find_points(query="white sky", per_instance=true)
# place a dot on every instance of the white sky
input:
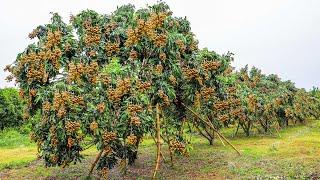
(277, 36)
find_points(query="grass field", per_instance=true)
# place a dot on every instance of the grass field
(292, 154)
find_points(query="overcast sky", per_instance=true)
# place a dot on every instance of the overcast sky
(277, 36)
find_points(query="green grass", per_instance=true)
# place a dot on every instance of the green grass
(293, 154)
(12, 138)
(16, 149)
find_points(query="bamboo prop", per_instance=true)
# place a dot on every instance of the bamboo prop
(158, 142)
(221, 141)
(171, 157)
(212, 127)
(95, 162)
(163, 157)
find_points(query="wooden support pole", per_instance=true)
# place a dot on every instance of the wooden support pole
(95, 162)
(208, 123)
(158, 142)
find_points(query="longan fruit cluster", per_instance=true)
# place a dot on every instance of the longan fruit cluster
(148, 29)
(46, 106)
(36, 73)
(67, 47)
(105, 79)
(93, 126)
(143, 86)
(123, 87)
(231, 90)
(267, 107)
(107, 150)
(33, 34)
(54, 141)
(176, 146)
(159, 69)
(244, 77)
(53, 129)
(93, 34)
(76, 71)
(112, 48)
(221, 105)
(101, 107)
(109, 136)
(73, 73)
(236, 112)
(235, 102)
(193, 46)
(160, 40)
(132, 139)
(54, 159)
(21, 93)
(164, 97)
(133, 55)
(132, 38)
(228, 70)
(289, 113)
(32, 93)
(72, 126)
(70, 142)
(223, 118)
(173, 80)
(61, 112)
(110, 27)
(135, 120)
(252, 103)
(207, 92)
(36, 65)
(242, 116)
(180, 45)
(78, 100)
(210, 65)
(133, 109)
(156, 20)
(32, 136)
(53, 39)
(59, 102)
(92, 53)
(53, 57)
(278, 101)
(162, 56)
(92, 70)
(190, 73)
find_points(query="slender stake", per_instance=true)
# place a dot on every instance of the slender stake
(221, 140)
(158, 142)
(212, 127)
(95, 162)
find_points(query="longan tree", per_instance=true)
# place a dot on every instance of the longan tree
(103, 80)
